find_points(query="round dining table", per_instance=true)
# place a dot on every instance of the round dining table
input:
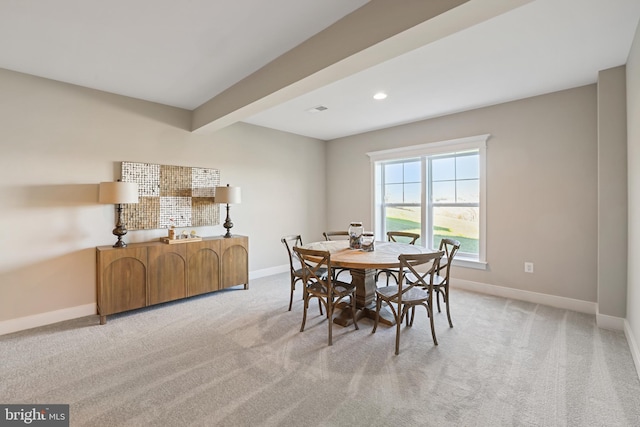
(362, 266)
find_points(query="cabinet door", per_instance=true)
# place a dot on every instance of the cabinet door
(234, 261)
(203, 273)
(167, 273)
(121, 279)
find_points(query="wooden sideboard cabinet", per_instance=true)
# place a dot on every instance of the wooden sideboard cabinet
(203, 267)
(234, 254)
(167, 272)
(145, 274)
(122, 279)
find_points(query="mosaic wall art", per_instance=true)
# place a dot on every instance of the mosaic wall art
(178, 195)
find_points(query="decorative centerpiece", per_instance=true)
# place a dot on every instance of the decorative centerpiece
(367, 242)
(355, 235)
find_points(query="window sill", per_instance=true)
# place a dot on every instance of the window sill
(470, 263)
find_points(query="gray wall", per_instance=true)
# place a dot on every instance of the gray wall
(59, 141)
(612, 192)
(633, 162)
(541, 187)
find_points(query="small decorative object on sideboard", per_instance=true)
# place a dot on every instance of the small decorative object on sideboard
(182, 237)
(172, 229)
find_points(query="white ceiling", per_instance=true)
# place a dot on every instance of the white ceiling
(185, 53)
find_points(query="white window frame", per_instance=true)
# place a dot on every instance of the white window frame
(478, 142)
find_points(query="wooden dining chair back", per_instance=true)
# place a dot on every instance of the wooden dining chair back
(337, 235)
(441, 279)
(398, 237)
(403, 237)
(295, 265)
(403, 298)
(324, 287)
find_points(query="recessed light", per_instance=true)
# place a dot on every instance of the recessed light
(380, 95)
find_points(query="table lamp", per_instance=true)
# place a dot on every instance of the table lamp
(117, 193)
(228, 195)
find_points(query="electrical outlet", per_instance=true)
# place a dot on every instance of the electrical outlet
(528, 267)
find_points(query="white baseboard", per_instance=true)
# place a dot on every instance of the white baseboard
(42, 319)
(534, 297)
(604, 321)
(609, 322)
(256, 274)
(633, 346)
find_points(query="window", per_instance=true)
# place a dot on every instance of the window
(436, 190)
(402, 195)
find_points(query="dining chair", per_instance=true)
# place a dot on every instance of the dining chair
(404, 296)
(329, 291)
(402, 237)
(450, 248)
(337, 235)
(295, 267)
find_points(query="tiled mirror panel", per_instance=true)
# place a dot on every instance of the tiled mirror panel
(179, 193)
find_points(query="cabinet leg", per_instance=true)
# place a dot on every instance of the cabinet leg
(246, 286)
(103, 320)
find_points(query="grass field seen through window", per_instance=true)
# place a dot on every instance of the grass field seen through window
(456, 223)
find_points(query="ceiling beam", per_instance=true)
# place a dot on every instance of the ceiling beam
(374, 33)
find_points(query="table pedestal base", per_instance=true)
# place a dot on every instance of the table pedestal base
(365, 281)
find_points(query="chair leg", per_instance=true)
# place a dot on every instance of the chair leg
(304, 313)
(438, 292)
(430, 314)
(352, 302)
(293, 288)
(409, 321)
(375, 324)
(446, 300)
(330, 315)
(398, 324)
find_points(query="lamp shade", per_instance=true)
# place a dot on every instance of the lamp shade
(229, 195)
(118, 192)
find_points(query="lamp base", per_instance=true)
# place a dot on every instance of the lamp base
(228, 224)
(120, 230)
(120, 243)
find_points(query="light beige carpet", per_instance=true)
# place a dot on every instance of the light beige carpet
(237, 358)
